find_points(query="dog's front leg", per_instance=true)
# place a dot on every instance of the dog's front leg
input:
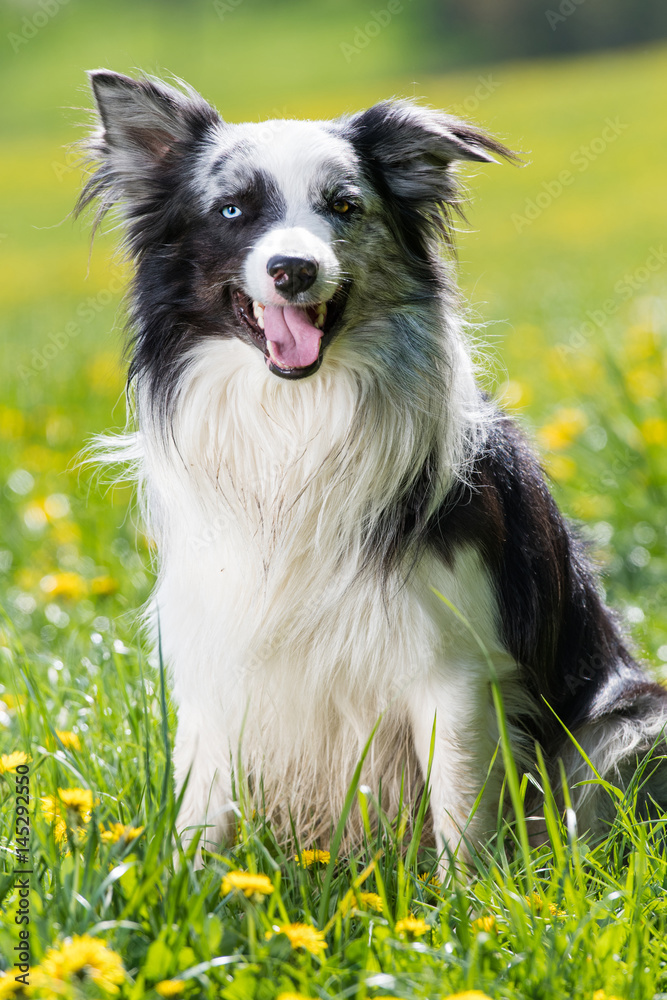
(202, 764)
(459, 707)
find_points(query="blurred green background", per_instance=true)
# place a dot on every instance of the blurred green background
(564, 264)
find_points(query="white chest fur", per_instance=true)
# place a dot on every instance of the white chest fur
(283, 649)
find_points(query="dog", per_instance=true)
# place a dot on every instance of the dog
(351, 534)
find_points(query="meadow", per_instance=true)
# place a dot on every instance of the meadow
(565, 270)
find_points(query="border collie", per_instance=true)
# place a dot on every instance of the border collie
(318, 464)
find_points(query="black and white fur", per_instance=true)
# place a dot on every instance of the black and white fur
(304, 523)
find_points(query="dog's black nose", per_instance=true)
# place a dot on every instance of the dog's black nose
(292, 275)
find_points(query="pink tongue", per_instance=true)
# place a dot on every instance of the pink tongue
(292, 339)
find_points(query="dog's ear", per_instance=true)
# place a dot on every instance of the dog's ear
(144, 129)
(147, 119)
(412, 148)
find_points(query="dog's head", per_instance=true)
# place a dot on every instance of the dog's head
(285, 234)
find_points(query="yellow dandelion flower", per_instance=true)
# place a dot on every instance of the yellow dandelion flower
(9, 988)
(84, 957)
(118, 831)
(513, 393)
(567, 424)
(643, 383)
(302, 936)
(292, 996)
(66, 532)
(71, 586)
(484, 924)
(540, 905)
(593, 506)
(252, 886)
(170, 988)
(371, 901)
(654, 430)
(69, 740)
(12, 423)
(432, 881)
(641, 343)
(308, 858)
(103, 586)
(78, 802)
(53, 814)
(412, 925)
(468, 995)
(562, 468)
(70, 808)
(10, 761)
(367, 900)
(601, 995)
(12, 701)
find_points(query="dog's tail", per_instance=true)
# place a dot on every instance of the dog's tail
(623, 744)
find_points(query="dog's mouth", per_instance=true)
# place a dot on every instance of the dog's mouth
(291, 338)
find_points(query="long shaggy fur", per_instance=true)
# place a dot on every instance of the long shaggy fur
(306, 518)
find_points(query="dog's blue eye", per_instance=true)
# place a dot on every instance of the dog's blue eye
(231, 212)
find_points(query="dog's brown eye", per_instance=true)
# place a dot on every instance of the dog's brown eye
(341, 206)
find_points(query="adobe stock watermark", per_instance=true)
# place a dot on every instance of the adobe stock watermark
(566, 8)
(74, 160)
(625, 288)
(58, 341)
(378, 20)
(265, 131)
(224, 7)
(31, 26)
(485, 87)
(581, 159)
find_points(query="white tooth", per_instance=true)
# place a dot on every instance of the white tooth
(322, 308)
(319, 322)
(260, 320)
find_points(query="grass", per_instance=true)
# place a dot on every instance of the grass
(565, 920)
